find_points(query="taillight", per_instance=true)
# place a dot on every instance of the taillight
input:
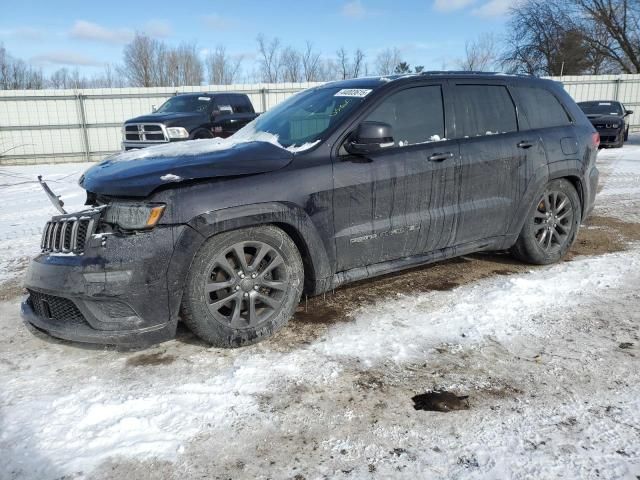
(595, 139)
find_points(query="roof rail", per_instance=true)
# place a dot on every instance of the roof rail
(469, 72)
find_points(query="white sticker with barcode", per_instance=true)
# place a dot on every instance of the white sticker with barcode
(205, 99)
(353, 92)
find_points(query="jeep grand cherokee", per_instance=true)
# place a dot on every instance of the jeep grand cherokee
(336, 184)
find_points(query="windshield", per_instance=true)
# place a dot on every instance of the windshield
(305, 117)
(601, 108)
(186, 104)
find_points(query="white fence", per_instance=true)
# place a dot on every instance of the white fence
(48, 126)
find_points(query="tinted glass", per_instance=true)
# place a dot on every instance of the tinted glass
(542, 108)
(305, 117)
(601, 108)
(416, 115)
(186, 103)
(241, 104)
(484, 110)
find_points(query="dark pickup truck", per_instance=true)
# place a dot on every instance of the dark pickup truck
(189, 117)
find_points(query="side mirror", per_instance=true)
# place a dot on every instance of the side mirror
(154, 108)
(370, 137)
(628, 112)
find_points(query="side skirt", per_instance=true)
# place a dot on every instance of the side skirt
(383, 268)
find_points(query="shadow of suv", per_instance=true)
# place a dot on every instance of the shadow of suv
(339, 183)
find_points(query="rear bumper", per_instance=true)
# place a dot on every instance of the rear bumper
(115, 293)
(590, 191)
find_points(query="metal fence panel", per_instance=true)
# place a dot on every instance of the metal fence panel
(49, 126)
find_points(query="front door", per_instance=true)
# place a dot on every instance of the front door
(401, 200)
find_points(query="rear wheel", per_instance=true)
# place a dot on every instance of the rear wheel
(243, 286)
(551, 225)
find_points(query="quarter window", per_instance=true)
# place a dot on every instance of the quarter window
(542, 108)
(416, 115)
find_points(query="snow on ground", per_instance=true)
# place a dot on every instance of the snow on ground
(25, 209)
(543, 356)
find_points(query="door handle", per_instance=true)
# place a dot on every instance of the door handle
(525, 144)
(439, 157)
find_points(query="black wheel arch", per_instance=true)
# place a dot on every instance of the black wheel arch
(200, 130)
(572, 171)
(290, 218)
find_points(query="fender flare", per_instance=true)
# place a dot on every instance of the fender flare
(544, 174)
(291, 218)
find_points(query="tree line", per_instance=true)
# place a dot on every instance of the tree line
(563, 37)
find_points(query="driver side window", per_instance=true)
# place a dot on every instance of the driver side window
(416, 115)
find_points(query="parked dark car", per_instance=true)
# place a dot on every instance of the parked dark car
(610, 118)
(188, 117)
(339, 183)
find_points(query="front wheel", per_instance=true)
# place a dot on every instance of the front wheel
(551, 225)
(243, 286)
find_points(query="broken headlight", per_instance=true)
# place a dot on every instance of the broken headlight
(134, 216)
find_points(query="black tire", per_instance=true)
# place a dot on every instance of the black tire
(561, 225)
(260, 301)
(200, 134)
(626, 135)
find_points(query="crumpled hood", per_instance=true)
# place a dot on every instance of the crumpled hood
(137, 173)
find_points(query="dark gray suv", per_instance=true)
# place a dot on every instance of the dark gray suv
(338, 183)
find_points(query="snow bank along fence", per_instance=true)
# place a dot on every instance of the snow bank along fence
(50, 126)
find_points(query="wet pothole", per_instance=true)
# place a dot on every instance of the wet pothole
(440, 401)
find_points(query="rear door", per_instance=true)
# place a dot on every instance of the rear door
(401, 200)
(495, 159)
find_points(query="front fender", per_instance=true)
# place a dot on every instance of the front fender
(289, 217)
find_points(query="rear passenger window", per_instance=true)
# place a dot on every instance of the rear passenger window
(484, 110)
(240, 104)
(415, 114)
(541, 107)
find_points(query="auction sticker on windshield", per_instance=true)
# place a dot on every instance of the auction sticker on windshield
(353, 92)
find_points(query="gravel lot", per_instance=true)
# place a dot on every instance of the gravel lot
(548, 357)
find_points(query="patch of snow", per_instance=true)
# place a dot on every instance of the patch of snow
(170, 177)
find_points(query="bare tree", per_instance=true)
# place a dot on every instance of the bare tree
(387, 61)
(480, 54)
(358, 63)
(544, 40)
(140, 58)
(270, 63)
(310, 63)
(612, 30)
(343, 62)
(291, 61)
(222, 68)
(15, 74)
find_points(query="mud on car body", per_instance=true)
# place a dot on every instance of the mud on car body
(338, 183)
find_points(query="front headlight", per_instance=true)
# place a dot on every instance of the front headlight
(177, 132)
(615, 125)
(134, 216)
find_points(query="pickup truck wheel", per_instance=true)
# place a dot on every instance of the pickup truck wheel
(243, 286)
(551, 225)
(202, 134)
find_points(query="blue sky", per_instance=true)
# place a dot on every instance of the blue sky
(87, 34)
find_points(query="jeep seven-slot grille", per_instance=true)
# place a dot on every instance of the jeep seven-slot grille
(144, 132)
(66, 235)
(54, 308)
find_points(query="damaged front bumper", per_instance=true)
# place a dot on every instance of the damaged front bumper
(115, 292)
